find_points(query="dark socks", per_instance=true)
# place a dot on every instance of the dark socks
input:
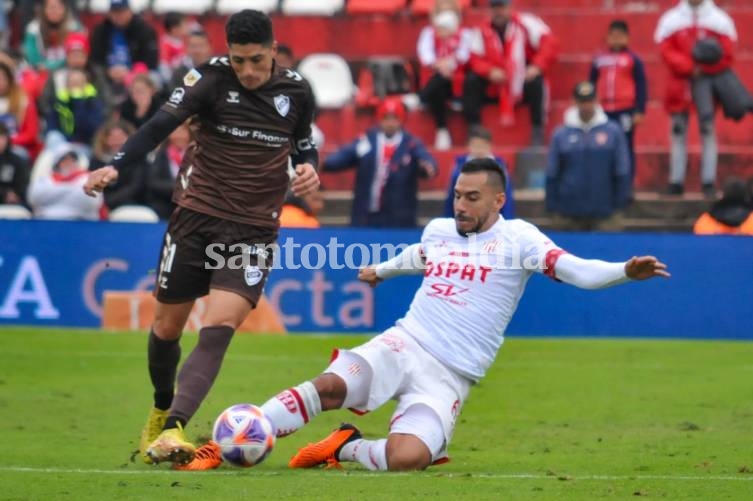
(199, 372)
(163, 359)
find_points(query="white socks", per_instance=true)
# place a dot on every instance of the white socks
(370, 453)
(293, 408)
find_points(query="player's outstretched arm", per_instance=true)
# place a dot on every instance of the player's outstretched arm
(597, 274)
(409, 262)
(151, 134)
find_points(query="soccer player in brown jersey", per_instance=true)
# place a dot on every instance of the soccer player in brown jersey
(249, 118)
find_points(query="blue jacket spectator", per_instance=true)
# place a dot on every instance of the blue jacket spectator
(388, 161)
(588, 171)
(479, 146)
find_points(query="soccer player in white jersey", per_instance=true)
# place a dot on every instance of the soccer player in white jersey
(475, 269)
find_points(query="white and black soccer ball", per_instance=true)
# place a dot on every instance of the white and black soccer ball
(244, 434)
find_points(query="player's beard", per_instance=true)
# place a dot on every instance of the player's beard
(479, 223)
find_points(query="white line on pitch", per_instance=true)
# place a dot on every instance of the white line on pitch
(501, 476)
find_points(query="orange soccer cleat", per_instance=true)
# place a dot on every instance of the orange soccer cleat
(207, 457)
(325, 451)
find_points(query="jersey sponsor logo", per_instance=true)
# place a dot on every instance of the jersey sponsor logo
(233, 97)
(469, 272)
(282, 103)
(253, 275)
(177, 96)
(449, 293)
(191, 78)
(394, 343)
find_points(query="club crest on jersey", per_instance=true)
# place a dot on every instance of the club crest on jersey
(282, 103)
(233, 97)
(253, 275)
(191, 78)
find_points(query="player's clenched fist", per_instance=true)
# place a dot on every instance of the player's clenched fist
(369, 276)
(306, 180)
(99, 180)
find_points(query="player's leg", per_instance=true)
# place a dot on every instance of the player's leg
(163, 354)
(416, 439)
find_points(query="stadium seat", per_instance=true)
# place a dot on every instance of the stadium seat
(134, 214)
(330, 78)
(190, 7)
(8, 211)
(423, 7)
(226, 7)
(102, 6)
(312, 8)
(375, 6)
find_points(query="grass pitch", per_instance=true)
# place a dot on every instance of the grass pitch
(554, 419)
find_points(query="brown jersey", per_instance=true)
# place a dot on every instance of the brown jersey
(237, 166)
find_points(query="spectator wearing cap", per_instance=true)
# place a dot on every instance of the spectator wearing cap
(389, 162)
(443, 51)
(44, 37)
(121, 41)
(730, 215)
(588, 171)
(510, 57)
(60, 194)
(76, 58)
(14, 172)
(683, 30)
(620, 79)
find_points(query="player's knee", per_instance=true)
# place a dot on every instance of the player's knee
(332, 391)
(407, 453)
(167, 328)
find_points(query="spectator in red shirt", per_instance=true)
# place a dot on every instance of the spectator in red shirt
(172, 44)
(510, 57)
(443, 51)
(678, 32)
(18, 111)
(620, 80)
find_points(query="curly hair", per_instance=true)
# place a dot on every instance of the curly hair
(249, 26)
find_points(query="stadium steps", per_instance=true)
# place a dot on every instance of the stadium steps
(649, 212)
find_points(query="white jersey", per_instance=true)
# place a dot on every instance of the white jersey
(471, 288)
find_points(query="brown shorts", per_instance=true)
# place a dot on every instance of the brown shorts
(196, 256)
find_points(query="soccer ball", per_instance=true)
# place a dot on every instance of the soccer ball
(244, 434)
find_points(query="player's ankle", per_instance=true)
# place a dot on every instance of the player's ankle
(174, 422)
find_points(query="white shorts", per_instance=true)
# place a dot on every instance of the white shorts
(393, 366)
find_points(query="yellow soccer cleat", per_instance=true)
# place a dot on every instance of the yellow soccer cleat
(171, 445)
(153, 427)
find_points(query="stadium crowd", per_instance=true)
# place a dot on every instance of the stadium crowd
(70, 96)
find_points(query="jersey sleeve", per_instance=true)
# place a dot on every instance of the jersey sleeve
(195, 94)
(304, 147)
(538, 252)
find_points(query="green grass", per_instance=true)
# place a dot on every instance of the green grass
(554, 419)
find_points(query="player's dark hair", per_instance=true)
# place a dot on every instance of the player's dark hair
(249, 26)
(495, 173)
(479, 132)
(172, 19)
(285, 50)
(619, 25)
